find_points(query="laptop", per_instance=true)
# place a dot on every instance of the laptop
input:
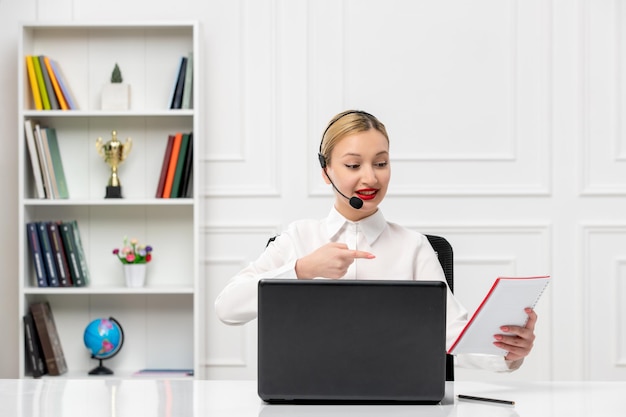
(349, 341)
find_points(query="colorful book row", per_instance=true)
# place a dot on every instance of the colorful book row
(45, 160)
(182, 97)
(48, 86)
(177, 167)
(57, 254)
(44, 353)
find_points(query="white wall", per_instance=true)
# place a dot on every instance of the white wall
(506, 121)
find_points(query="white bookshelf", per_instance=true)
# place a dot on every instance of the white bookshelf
(160, 320)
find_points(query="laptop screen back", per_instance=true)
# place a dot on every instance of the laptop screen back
(351, 341)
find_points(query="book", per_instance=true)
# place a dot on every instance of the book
(55, 84)
(49, 338)
(43, 161)
(171, 169)
(188, 85)
(503, 305)
(48, 255)
(34, 158)
(187, 170)
(189, 186)
(41, 276)
(42, 137)
(48, 156)
(34, 86)
(180, 163)
(36, 364)
(65, 279)
(64, 86)
(164, 166)
(164, 372)
(41, 83)
(177, 99)
(71, 251)
(173, 93)
(54, 103)
(82, 258)
(57, 163)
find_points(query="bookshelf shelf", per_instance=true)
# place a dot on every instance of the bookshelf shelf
(117, 290)
(49, 114)
(164, 202)
(160, 318)
(160, 25)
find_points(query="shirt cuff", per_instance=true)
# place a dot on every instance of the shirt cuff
(488, 362)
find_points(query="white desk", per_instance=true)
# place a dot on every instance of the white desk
(51, 397)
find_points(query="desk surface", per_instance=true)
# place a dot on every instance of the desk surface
(52, 397)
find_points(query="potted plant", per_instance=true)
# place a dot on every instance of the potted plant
(134, 257)
(116, 94)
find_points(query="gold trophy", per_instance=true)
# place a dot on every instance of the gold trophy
(114, 153)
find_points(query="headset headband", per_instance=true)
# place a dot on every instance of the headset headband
(332, 122)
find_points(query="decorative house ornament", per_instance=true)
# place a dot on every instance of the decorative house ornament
(116, 94)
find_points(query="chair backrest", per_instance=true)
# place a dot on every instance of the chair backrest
(446, 259)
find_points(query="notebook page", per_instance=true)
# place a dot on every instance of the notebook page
(504, 304)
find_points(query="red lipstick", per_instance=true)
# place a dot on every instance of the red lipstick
(367, 193)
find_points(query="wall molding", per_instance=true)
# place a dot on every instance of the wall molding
(518, 160)
(614, 264)
(602, 114)
(258, 112)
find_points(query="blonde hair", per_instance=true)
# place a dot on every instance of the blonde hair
(344, 124)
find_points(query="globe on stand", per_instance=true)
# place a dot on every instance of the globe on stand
(104, 339)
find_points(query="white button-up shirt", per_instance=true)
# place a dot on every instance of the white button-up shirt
(401, 254)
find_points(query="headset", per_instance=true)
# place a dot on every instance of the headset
(354, 201)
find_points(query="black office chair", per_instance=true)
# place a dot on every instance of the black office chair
(445, 255)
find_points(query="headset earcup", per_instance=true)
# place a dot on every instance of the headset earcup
(322, 160)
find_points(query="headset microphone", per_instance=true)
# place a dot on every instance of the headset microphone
(355, 202)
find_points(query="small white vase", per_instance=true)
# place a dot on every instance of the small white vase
(135, 275)
(116, 96)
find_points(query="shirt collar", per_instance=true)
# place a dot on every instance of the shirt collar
(371, 226)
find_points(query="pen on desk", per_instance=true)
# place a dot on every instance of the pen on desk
(489, 400)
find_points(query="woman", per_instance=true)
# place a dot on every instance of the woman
(356, 242)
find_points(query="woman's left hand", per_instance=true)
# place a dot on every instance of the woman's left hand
(519, 340)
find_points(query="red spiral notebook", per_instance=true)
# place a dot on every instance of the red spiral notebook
(504, 304)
